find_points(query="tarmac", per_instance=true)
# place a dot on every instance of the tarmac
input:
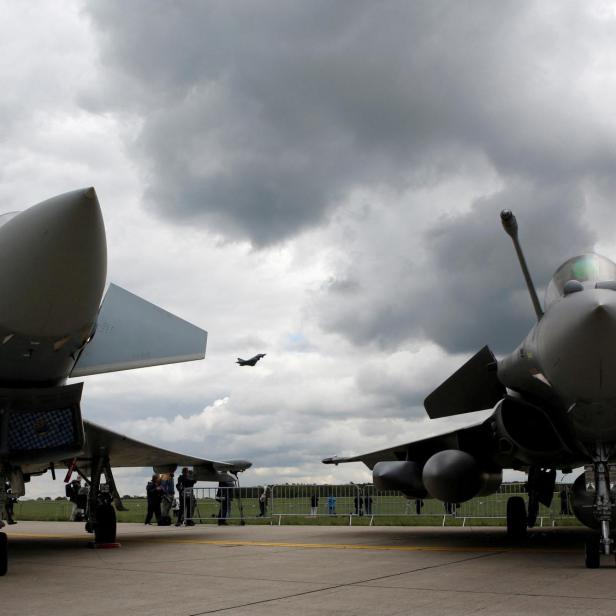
(311, 570)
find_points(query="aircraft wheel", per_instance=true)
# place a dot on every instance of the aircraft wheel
(593, 554)
(516, 518)
(105, 529)
(533, 511)
(4, 559)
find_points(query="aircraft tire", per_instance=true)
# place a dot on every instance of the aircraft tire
(105, 529)
(4, 559)
(516, 518)
(593, 554)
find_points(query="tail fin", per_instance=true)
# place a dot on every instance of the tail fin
(133, 333)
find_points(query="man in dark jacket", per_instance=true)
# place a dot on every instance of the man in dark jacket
(154, 492)
(8, 503)
(185, 480)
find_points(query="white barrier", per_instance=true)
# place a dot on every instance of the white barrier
(357, 501)
(220, 504)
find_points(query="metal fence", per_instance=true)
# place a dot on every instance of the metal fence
(355, 502)
(346, 504)
(224, 503)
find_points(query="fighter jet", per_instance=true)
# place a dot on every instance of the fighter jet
(250, 362)
(52, 327)
(553, 407)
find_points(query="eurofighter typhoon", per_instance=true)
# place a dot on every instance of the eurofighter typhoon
(52, 327)
(554, 408)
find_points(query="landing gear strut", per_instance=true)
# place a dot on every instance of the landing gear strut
(602, 508)
(100, 513)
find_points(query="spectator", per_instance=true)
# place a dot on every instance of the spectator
(565, 508)
(418, 505)
(224, 496)
(167, 500)
(314, 504)
(154, 493)
(8, 503)
(331, 505)
(263, 502)
(78, 495)
(368, 504)
(185, 480)
(358, 502)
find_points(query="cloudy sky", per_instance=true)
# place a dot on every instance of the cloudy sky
(320, 182)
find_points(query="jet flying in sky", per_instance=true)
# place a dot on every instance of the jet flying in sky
(250, 362)
(52, 327)
(554, 408)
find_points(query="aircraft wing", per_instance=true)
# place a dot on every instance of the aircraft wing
(474, 436)
(124, 451)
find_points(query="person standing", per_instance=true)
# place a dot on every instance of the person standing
(74, 491)
(8, 503)
(224, 495)
(358, 502)
(368, 504)
(314, 504)
(185, 480)
(154, 493)
(565, 508)
(331, 504)
(166, 503)
(263, 502)
(418, 505)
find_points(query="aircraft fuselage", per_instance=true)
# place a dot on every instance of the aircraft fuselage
(52, 287)
(568, 360)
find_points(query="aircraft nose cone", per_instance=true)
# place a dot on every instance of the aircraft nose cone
(54, 265)
(577, 345)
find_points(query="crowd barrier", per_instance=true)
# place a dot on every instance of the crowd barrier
(346, 503)
(282, 502)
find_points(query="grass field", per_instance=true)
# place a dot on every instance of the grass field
(388, 510)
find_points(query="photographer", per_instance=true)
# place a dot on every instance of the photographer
(78, 495)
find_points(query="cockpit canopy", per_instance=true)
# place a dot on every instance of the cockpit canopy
(588, 269)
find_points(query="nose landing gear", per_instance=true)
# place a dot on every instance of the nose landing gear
(602, 507)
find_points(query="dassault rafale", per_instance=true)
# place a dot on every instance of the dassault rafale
(554, 408)
(53, 326)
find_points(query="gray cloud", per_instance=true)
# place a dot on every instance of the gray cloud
(462, 287)
(259, 118)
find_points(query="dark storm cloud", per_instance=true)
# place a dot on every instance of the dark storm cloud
(466, 289)
(260, 117)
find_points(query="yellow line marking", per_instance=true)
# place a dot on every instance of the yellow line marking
(321, 546)
(355, 546)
